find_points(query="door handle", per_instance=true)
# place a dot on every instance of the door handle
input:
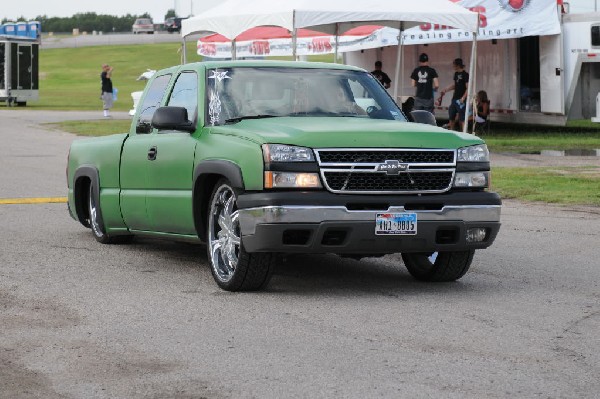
(152, 153)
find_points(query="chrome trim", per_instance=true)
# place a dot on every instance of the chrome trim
(371, 167)
(318, 155)
(251, 217)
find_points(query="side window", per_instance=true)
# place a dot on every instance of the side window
(154, 95)
(185, 94)
(596, 36)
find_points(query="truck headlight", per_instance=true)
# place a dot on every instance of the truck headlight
(292, 180)
(286, 153)
(472, 179)
(474, 153)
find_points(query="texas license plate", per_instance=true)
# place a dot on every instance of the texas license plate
(396, 223)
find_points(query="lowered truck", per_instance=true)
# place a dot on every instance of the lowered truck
(259, 158)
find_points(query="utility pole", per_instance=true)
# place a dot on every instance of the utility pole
(191, 8)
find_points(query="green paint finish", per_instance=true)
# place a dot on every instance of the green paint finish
(323, 132)
(155, 195)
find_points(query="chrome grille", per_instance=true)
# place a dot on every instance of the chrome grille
(371, 156)
(363, 171)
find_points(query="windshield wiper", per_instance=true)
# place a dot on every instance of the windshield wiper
(241, 118)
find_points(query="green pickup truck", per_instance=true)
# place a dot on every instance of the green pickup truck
(258, 159)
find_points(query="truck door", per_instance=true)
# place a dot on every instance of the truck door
(551, 74)
(170, 175)
(136, 157)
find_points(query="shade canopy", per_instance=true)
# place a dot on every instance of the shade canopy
(234, 17)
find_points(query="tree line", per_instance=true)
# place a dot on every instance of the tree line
(88, 22)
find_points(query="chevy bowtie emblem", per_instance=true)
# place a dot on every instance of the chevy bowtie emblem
(392, 167)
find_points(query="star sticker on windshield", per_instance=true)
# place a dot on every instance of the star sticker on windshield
(219, 76)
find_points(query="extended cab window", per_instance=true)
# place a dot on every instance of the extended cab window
(185, 94)
(154, 96)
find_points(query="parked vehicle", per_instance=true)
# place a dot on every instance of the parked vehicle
(258, 159)
(173, 24)
(143, 25)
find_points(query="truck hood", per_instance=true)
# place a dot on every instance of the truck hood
(323, 132)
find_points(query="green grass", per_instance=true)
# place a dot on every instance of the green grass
(70, 80)
(505, 137)
(70, 77)
(564, 185)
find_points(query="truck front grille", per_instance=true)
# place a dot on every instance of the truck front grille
(402, 171)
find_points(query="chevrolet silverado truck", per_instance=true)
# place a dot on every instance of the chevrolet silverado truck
(257, 159)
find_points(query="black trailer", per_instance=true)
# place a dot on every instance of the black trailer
(19, 70)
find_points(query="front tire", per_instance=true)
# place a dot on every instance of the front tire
(232, 267)
(438, 266)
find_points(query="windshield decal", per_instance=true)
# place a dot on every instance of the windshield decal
(214, 107)
(219, 76)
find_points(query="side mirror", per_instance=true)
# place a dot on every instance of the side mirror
(172, 118)
(421, 116)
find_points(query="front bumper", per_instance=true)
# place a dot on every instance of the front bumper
(318, 222)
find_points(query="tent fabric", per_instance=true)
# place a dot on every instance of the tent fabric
(234, 17)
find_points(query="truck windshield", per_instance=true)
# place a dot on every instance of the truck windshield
(239, 93)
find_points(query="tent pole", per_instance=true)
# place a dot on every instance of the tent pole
(294, 36)
(183, 51)
(233, 50)
(337, 41)
(471, 84)
(294, 44)
(398, 62)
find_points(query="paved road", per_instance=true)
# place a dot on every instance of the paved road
(81, 319)
(60, 41)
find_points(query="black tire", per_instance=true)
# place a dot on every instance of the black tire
(97, 224)
(21, 103)
(232, 267)
(438, 266)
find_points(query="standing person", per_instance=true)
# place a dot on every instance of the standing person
(425, 79)
(107, 89)
(456, 111)
(381, 76)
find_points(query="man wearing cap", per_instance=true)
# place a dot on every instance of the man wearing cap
(456, 111)
(425, 79)
(381, 76)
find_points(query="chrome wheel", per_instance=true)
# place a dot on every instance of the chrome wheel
(224, 233)
(93, 210)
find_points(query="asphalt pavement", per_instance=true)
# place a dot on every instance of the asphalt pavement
(79, 319)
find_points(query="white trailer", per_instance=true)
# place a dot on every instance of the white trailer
(19, 70)
(534, 79)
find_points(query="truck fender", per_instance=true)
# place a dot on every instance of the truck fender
(89, 172)
(207, 173)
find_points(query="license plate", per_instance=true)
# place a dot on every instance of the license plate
(396, 224)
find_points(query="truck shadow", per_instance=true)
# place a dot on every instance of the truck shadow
(302, 274)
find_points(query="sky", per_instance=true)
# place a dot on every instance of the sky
(13, 9)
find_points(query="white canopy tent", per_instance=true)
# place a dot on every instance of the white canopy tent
(233, 17)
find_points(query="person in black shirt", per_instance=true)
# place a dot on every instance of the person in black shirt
(425, 79)
(456, 111)
(107, 89)
(381, 76)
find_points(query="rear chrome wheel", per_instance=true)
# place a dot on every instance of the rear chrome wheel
(97, 224)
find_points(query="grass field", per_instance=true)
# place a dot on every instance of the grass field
(70, 77)
(70, 80)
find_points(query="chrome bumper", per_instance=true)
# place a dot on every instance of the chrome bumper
(251, 217)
